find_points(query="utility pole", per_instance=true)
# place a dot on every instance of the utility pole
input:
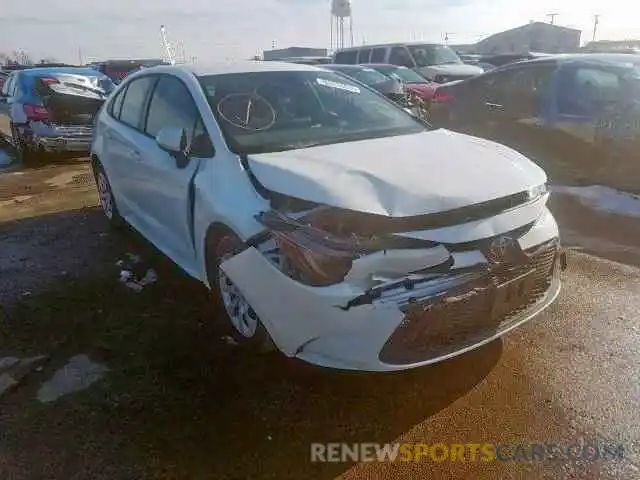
(80, 56)
(596, 21)
(552, 16)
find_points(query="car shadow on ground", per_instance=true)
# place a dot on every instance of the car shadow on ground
(179, 401)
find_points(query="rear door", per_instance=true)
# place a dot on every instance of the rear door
(122, 140)
(165, 188)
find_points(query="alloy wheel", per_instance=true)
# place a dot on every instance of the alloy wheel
(243, 318)
(106, 197)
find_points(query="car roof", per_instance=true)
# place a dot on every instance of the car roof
(396, 44)
(606, 58)
(240, 66)
(60, 70)
(388, 65)
(340, 66)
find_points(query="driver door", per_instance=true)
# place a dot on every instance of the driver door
(165, 182)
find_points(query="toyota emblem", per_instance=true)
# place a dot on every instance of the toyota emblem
(501, 249)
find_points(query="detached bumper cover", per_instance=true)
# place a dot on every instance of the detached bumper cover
(466, 317)
(62, 138)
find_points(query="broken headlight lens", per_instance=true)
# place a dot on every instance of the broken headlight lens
(537, 191)
(316, 256)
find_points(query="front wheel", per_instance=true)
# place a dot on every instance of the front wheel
(246, 328)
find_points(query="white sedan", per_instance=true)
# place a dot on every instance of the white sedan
(327, 221)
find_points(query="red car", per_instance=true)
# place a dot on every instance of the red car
(414, 82)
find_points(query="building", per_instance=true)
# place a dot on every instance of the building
(533, 37)
(294, 52)
(612, 46)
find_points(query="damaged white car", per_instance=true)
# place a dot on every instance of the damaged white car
(326, 220)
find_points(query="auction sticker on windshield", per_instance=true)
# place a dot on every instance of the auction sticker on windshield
(336, 85)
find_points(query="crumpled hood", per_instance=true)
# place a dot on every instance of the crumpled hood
(399, 176)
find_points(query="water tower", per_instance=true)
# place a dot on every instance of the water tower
(340, 9)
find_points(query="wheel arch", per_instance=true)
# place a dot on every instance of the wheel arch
(214, 232)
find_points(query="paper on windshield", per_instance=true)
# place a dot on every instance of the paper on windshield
(337, 85)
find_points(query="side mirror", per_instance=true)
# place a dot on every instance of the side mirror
(172, 140)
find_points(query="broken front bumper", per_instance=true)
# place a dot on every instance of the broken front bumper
(405, 326)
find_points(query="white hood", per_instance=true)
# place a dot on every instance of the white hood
(399, 176)
(457, 70)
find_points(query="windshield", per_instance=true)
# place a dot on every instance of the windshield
(368, 76)
(402, 74)
(261, 112)
(427, 55)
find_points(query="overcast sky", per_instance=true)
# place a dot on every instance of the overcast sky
(219, 29)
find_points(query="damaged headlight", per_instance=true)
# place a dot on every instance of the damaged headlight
(537, 191)
(314, 255)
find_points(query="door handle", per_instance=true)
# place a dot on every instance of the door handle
(494, 106)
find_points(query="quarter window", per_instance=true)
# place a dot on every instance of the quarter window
(135, 101)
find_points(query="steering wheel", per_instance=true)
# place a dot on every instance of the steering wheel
(248, 111)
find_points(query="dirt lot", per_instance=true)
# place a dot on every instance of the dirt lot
(179, 402)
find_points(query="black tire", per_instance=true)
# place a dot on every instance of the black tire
(220, 246)
(105, 194)
(26, 153)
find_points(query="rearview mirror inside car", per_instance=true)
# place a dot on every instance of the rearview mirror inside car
(172, 140)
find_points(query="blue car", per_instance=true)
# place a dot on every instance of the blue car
(576, 112)
(51, 109)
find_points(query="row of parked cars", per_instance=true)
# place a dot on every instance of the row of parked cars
(580, 110)
(51, 107)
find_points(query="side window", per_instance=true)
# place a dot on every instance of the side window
(134, 103)
(598, 85)
(364, 55)
(116, 104)
(530, 81)
(341, 57)
(350, 57)
(378, 55)
(400, 56)
(172, 106)
(587, 91)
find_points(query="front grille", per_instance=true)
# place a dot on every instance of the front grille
(462, 319)
(380, 224)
